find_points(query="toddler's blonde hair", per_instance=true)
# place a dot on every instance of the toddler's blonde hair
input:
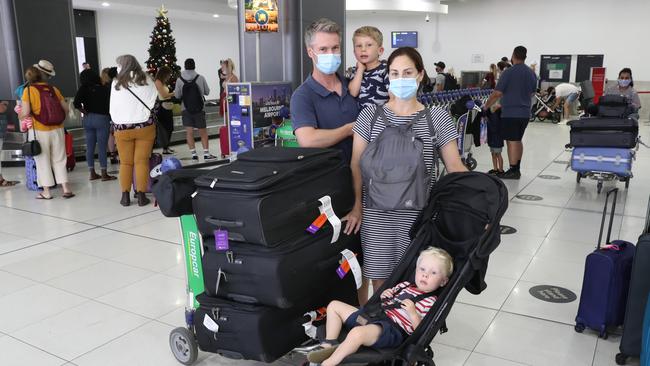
(442, 256)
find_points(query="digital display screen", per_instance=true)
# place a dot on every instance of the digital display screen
(404, 39)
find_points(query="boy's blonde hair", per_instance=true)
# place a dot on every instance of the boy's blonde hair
(369, 31)
(442, 256)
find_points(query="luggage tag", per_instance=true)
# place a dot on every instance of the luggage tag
(326, 212)
(350, 262)
(210, 324)
(221, 240)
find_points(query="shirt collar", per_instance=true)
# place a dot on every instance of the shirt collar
(321, 90)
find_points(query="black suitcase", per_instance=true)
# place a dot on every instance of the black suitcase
(605, 124)
(280, 276)
(615, 106)
(270, 195)
(247, 331)
(614, 139)
(637, 298)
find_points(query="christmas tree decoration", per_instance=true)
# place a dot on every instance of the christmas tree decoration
(162, 47)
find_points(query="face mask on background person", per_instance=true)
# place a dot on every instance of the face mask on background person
(403, 88)
(328, 63)
(624, 82)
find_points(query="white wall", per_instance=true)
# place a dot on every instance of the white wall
(205, 41)
(617, 29)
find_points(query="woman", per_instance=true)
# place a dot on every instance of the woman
(49, 135)
(385, 234)
(93, 101)
(228, 68)
(625, 87)
(163, 108)
(133, 95)
(108, 74)
(489, 82)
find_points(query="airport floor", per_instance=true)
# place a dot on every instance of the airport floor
(88, 282)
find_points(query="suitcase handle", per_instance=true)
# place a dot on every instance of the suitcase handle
(611, 218)
(223, 223)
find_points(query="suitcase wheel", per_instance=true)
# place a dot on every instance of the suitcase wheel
(578, 177)
(603, 334)
(470, 162)
(579, 328)
(627, 182)
(599, 187)
(621, 358)
(183, 345)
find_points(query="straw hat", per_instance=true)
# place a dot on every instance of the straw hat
(46, 67)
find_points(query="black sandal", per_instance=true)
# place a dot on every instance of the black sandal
(7, 183)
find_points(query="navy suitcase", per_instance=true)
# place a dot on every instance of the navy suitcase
(606, 280)
(636, 298)
(602, 159)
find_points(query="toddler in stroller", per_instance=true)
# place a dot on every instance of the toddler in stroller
(403, 308)
(462, 217)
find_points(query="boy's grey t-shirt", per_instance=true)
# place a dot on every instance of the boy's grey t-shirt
(374, 85)
(517, 84)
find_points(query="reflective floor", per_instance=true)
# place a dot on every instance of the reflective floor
(86, 281)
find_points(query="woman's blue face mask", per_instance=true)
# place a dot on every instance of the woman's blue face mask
(403, 88)
(624, 82)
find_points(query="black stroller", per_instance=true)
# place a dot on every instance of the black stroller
(462, 217)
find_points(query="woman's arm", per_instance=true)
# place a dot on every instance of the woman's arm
(451, 158)
(164, 94)
(354, 217)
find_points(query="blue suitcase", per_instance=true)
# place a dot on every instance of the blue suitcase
(645, 346)
(606, 280)
(31, 181)
(602, 159)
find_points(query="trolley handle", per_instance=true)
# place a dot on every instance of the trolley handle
(611, 218)
(646, 229)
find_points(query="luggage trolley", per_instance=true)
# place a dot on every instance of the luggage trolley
(464, 143)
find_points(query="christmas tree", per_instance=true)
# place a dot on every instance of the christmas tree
(162, 47)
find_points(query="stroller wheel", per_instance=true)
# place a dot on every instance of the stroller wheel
(183, 345)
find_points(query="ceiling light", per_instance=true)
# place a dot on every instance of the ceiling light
(215, 15)
(105, 4)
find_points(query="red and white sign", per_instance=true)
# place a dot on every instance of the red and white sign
(597, 77)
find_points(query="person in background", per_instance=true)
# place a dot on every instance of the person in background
(515, 88)
(191, 88)
(502, 66)
(222, 77)
(163, 108)
(440, 76)
(625, 87)
(4, 105)
(369, 79)
(569, 94)
(228, 71)
(107, 76)
(50, 136)
(133, 95)
(85, 66)
(489, 82)
(93, 100)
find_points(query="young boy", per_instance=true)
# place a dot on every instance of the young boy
(495, 140)
(402, 314)
(369, 79)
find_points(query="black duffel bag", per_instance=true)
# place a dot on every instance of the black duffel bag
(173, 190)
(614, 106)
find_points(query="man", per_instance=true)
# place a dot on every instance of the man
(440, 77)
(191, 88)
(569, 94)
(322, 109)
(515, 89)
(4, 105)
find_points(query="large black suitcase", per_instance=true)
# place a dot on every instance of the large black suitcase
(605, 124)
(270, 195)
(637, 298)
(247, 331)
(616, 106)
(615, 139)
(281, 276)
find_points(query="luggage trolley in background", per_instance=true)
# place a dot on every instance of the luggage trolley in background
(465, 143)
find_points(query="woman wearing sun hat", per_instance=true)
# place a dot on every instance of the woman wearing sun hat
(47, 118)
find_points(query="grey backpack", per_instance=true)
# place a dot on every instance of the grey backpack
(393, 168)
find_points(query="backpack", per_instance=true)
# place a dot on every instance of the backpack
(192, 97)
(52, 112)
(393, 168)
(450, 82)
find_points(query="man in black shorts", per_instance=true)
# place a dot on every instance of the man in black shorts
(191, 88)
(515, 89)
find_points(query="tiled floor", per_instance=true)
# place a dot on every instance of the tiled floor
(88, 282)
